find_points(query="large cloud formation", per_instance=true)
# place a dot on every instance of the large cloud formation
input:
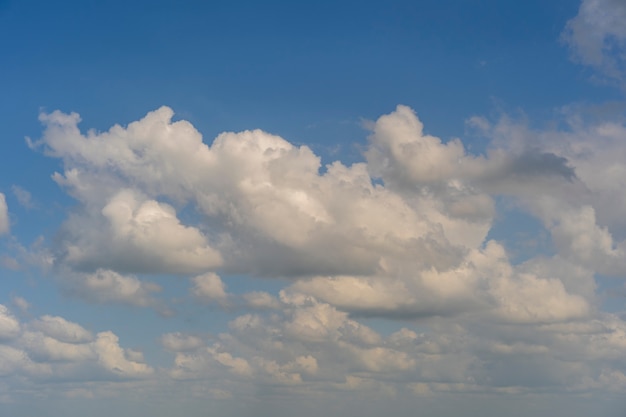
(413, 245)
(406, 236)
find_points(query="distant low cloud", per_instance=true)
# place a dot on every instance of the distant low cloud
(53, 348)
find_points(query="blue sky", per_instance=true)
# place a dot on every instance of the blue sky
(339, 208)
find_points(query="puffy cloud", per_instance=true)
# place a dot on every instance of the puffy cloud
(484, 283)
(60, 329)
(310, 343)
(597, 37)
(179, 342)
(4, 215)
(137, 235)
(43, 348)
(53, 349)
(403, 156)
(9, 326)
(105, 286)
(264, 200)
(209, 287)
(116, 360)
(578, 236)
(410, 245)
(583, 216)
(261, 300)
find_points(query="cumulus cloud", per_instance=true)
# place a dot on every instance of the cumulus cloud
(261, 300)
(404, 248)
(60, 329)
(404, 236)
(256, 190)
(52, 348)
(311, 344)
(484, 283)
(179, 342)
(209, 287)
(135, 235)
(9, 326)
(105, 287)
(583, 216)
(597, 37)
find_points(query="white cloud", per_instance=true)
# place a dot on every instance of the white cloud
(311, 343)
(583, 216)
(23, 196)
(597, 37)
(42, 348)
(105, 286)
(209, 287)
(21, 303)
(410, 246)
(261, 300)
(256, 190)
(116, 360)
(4, 215)
(61, 329)
(484, 283)
(54, 349)
(404, 248)
(134, 234)
(9, 326)
(179, 342)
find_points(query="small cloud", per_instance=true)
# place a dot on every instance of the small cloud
(180, 342)
(21, 304)
(9, 263)
(261, 300)
(23, 197)
(105, 287)
(209, 287)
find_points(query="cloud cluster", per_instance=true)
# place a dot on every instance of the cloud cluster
(405, 236)
(51, 348)
(311, 346)
(258, 204)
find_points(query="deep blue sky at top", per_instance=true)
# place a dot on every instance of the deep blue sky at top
(305, 70)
